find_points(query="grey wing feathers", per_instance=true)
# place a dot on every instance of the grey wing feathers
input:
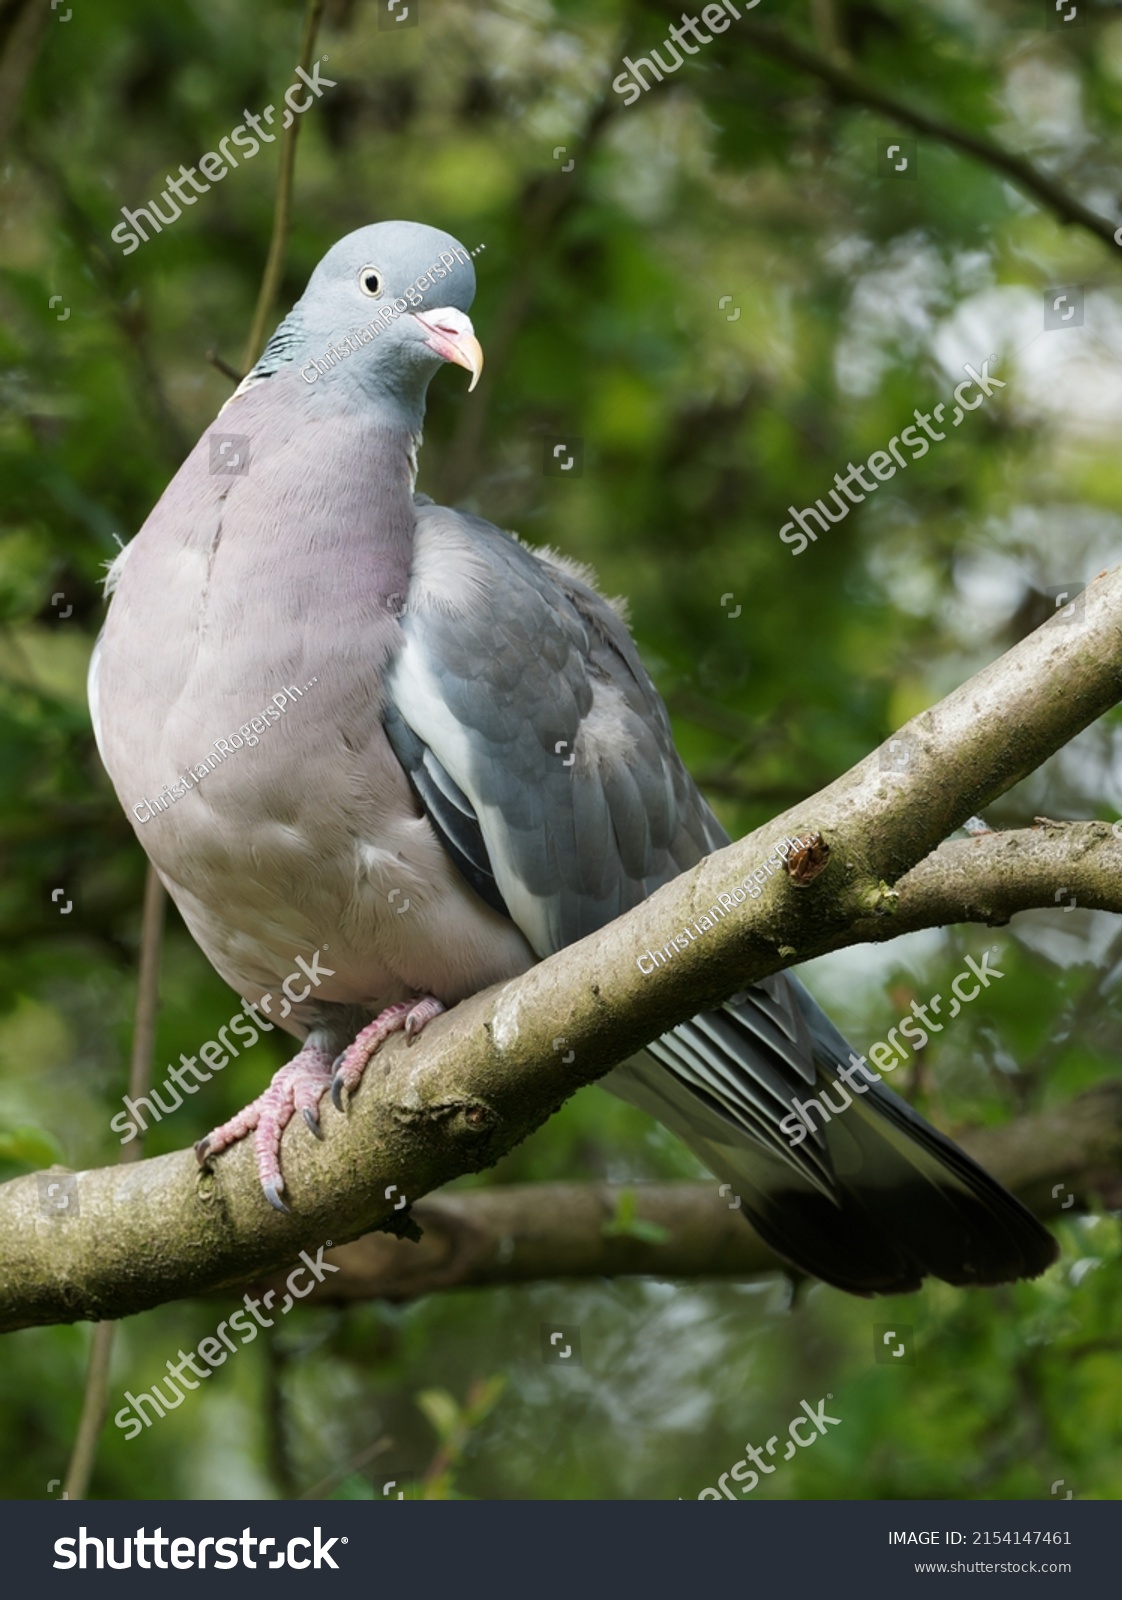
(529, 698)
(448, 809)
(872, 1201)
(747, 1061)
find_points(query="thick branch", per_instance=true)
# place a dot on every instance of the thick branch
(485, 1076)
(524, 1233)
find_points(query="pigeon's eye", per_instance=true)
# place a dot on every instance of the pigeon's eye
(370, 282)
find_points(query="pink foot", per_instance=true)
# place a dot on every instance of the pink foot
(296, 1087)
(410, 1015)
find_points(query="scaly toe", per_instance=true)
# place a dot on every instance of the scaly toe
(421, 1015)
(297, 1087)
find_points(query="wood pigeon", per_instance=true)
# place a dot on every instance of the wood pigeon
(381, 742)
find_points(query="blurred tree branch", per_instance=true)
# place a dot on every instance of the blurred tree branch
(25, 23)
(849, 86)
(544, 204)
(495, 1068)
(524, 1233)
(824, 21)
(747, 792)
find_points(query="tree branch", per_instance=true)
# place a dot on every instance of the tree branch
(21, 51)
(990, 877)
(541, 210)
(525, 1233)
(848, 85)
(499, 1064)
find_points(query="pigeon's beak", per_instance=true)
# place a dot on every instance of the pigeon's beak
(452, 337)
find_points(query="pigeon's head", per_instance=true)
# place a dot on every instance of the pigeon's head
(382, 310)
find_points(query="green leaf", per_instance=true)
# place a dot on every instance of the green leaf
(28, 1146)
(626, 1224)
(441, 1410)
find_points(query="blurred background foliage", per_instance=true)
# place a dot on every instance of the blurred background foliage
(727, 301)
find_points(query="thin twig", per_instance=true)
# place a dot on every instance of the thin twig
(147, 998)
(320, 1490)
(274, 265)
(94, 1400)
(276, 1363)
(92, 1419)
(224, 367)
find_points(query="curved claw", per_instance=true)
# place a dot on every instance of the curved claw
(202, 1148)
(421, 1015)
(337, 1093)
(312, 1119)
(273, 1195)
